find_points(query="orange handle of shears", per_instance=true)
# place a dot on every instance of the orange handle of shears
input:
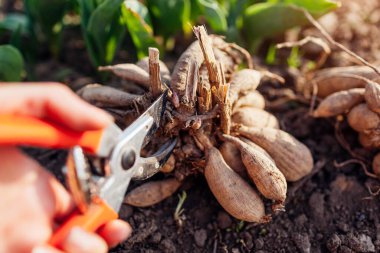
(24, 130)
(97, 215)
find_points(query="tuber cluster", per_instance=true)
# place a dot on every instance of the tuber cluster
(353, 92)
(219, 119)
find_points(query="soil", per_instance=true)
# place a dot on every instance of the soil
(331, 210)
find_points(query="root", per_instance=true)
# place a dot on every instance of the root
(328, 37)
(361, 163)
(313, 97)
(310, 39)
(210, 115)
(342, 141)
(372, 192)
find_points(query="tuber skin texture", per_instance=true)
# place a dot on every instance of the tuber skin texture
(243, 81)
(372, 96)
(231, 155)
(262, 170)
(362, 119)
(169, 165)
(336, 79)
(252, 98)
(130, 72)
(369, 141)
(254, 117)
(291, 156)
(339, 102)
(152, 192)
(234, 194)
(376, 165)
(104, 96)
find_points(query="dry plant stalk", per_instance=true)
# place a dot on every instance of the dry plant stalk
(154, 72)
(219, 87)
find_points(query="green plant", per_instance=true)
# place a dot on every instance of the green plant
(45, 21)
(102, 28)
(179, 210)
(275, 16)
(11, 63)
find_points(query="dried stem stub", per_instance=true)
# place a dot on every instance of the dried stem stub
(217, 80)
(154, 72)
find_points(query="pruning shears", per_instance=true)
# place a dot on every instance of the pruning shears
(100, 164)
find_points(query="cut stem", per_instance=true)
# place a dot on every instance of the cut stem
(154, 72)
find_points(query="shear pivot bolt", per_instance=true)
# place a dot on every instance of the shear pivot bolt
(128, 160)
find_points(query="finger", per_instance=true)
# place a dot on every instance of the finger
(46, 249)
(64, 203)
(115, 232)
(80, 241)
(53, 101)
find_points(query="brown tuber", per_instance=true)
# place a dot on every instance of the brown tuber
(235, 195)
(252, 98)
(231, 155)
(152, 192)
(339, 102)
(362, 119)
(242, 81)
(369, 141)
(372, 96)
(254, 117)
(331, 80)
(263, 170)
(292, 157)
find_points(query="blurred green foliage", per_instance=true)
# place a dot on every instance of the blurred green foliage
(11, 64)
(107, 24)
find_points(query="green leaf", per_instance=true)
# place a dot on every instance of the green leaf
(15, 22)
(11, 64)
(269, 19)
(315, 7)
(173, 12)
(136, 16)
(214, 14)
(102, 29)
(45, 14)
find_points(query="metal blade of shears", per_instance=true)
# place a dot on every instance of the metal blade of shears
(125, 162)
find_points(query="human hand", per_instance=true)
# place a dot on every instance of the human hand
(32, 200)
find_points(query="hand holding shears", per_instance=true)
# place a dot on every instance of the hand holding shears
(98, 198)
